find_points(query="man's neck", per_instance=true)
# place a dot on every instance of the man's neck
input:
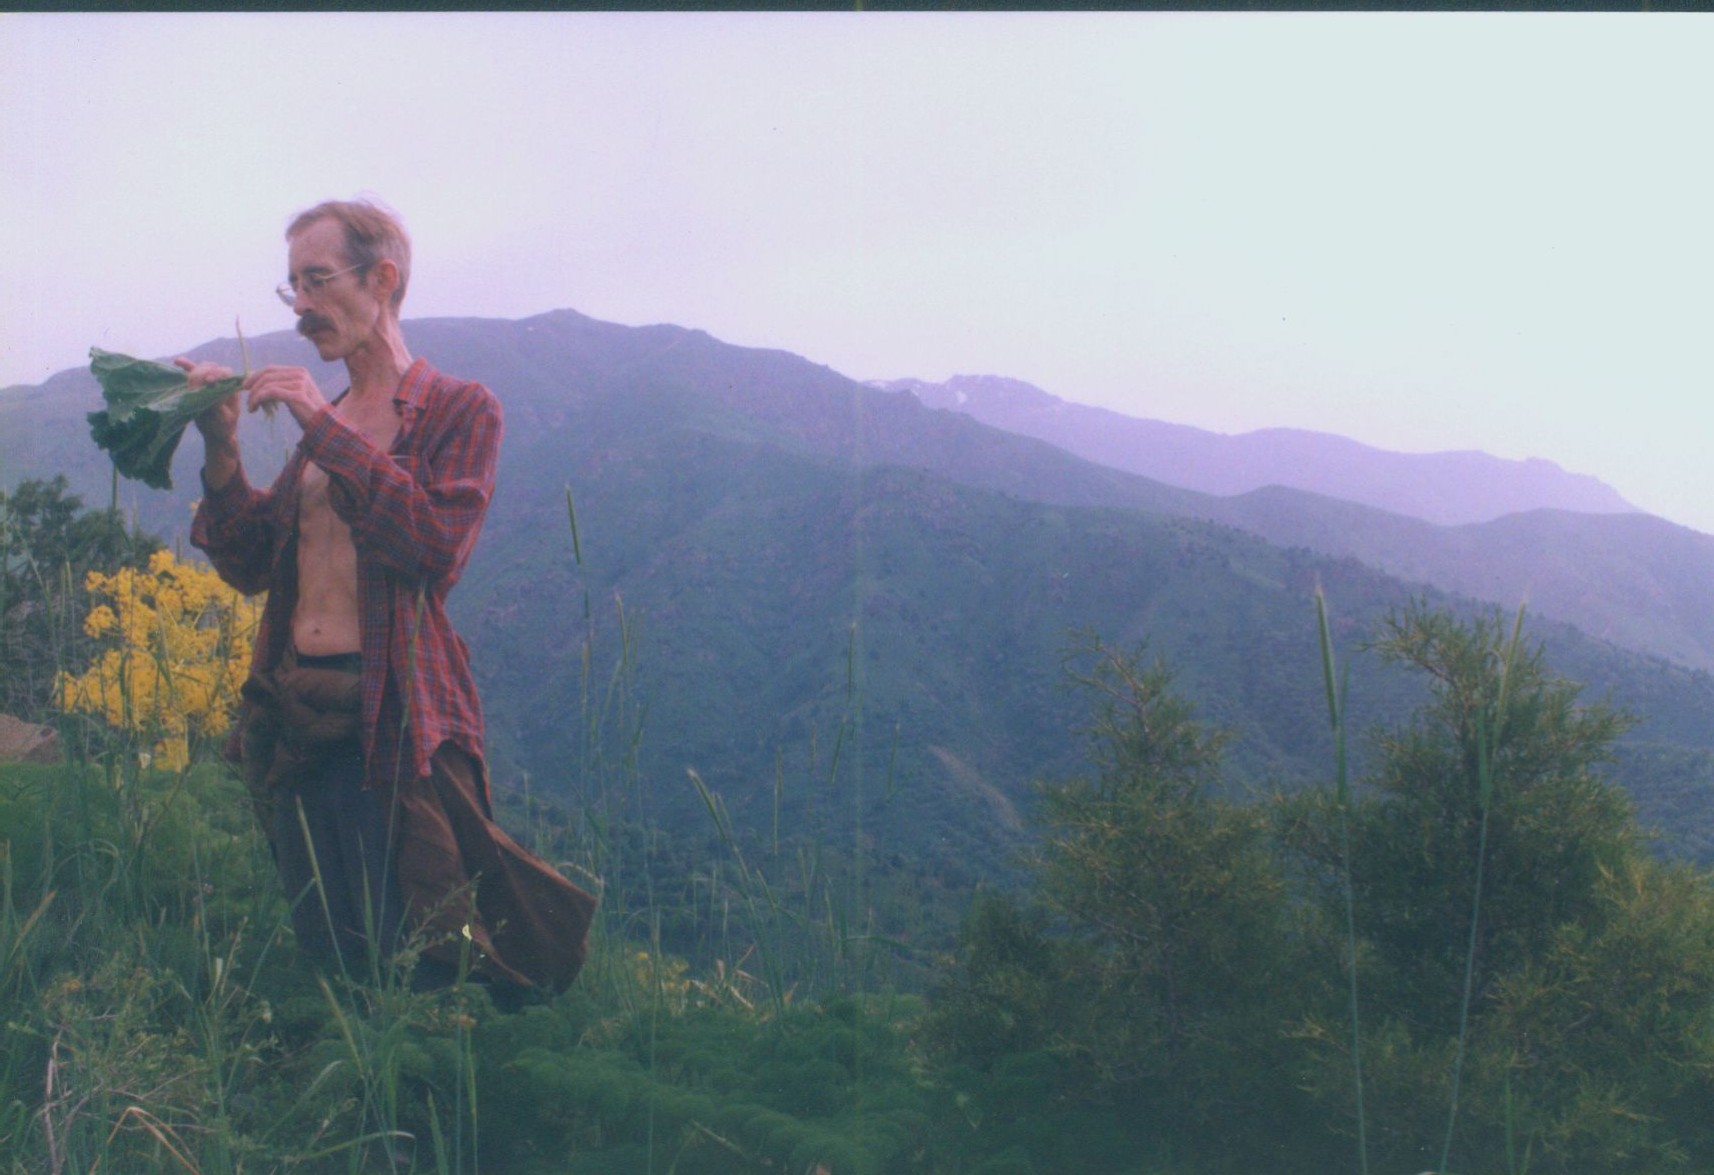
(377, 367)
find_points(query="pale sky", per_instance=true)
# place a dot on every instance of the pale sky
(1421, 231)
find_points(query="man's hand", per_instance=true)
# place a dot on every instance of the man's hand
(218, 424)
(291, 386)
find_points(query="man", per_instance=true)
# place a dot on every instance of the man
(362, 733)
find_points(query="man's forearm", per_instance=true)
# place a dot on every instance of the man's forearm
(219, 462)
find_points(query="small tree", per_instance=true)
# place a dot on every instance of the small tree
(1503, 743)
(1498, 886)
(1162, 991)
(1168, 887)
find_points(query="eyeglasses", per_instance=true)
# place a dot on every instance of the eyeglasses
(309, 283)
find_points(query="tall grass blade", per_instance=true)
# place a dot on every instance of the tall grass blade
(1487, 745)
(749, 882)
(1485, 774)
(159, 1131)
(320, 888)
(779, 794)
(571, 514)
(1336, 718)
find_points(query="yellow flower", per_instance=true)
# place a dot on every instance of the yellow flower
(177, 650)
(100, 621)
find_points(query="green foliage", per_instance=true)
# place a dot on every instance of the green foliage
(126, 920)
(707, 1091)
(158, 1020)
(1604, 1039)
(48, 543)
(149, 406)
(1554, 823)
(1018, 1089)
(1142, 997)
(1537, 991)
(1005, 997)
(1513, 938)
(1169, 893)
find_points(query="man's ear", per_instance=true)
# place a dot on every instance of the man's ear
(385, 275)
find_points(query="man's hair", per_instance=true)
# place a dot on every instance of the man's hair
(372, 234)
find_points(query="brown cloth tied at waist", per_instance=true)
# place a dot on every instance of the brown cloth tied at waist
(294, 718)
(527, 925)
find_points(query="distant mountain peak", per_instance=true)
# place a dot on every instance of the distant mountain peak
(1451, 488)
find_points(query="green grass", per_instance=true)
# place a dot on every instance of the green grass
(161, 1019)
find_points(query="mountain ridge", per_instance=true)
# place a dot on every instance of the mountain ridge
(1448, 488)
(1625, 575)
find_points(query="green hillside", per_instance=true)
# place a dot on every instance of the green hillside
(1633, 579)
(1509, 530)
(781, 603)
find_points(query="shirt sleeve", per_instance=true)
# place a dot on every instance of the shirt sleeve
(234, 527)
(416, 513)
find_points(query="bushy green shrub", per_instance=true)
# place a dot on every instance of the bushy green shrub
(1136, 1005)
(1536, 989)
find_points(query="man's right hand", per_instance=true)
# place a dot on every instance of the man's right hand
(218, 423)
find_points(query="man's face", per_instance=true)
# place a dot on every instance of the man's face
(337, 311)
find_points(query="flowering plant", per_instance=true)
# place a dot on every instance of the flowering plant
(179, 651)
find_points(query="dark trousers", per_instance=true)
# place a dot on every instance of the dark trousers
(334, 846)
(365, 866)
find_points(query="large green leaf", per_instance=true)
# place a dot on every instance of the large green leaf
(149, 405)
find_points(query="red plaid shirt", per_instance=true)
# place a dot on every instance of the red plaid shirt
(414, 513)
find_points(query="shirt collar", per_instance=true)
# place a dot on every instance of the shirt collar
(412, 390)
(414, 386)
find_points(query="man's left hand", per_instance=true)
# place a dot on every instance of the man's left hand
(291, 386)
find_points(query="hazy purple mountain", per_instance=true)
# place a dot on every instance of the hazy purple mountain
(1449, 488)
(1626, 577)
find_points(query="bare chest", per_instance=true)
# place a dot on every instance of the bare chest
(380, 424)
(325, 617)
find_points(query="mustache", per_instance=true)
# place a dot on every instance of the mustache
(312, 322)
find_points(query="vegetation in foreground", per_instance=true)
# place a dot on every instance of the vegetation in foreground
(1465, 962)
